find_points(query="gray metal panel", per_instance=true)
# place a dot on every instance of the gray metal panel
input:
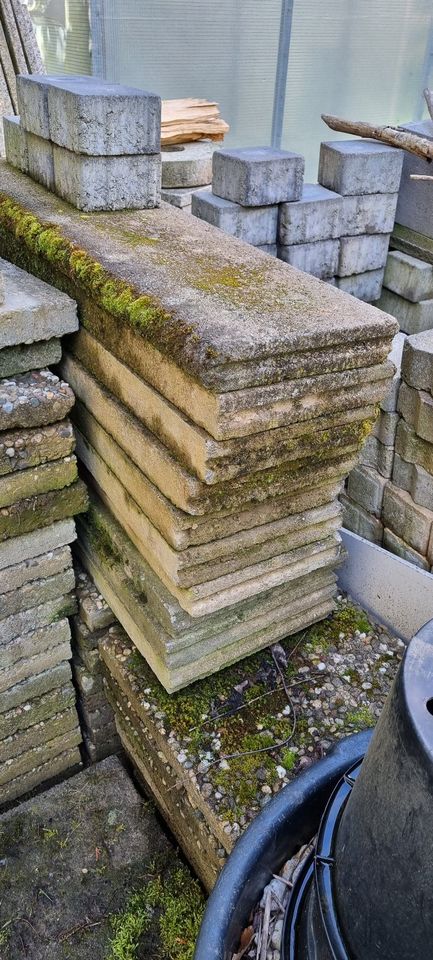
(394, 591)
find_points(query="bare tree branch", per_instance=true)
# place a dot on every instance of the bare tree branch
(393, 136)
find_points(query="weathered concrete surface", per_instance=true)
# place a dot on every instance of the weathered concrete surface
(182, 196)
(15, 143)
(417, 361)
(37, 591)
(414, 199)
(413, 243)
(257, 176)
(366, 487)
(320, 259)
(361, 521)
(46, 681)
(133, 856)
(255, 225)
(57, 725)
(63, 762)
(361, 254)
(107, 183)
(416, 406)
(20, 450)
(30, 546)
(413, 478)
(32, 310)
(385, 427)
(413, 449)
(35, 481)
(12, 769)
(13, 676)
(359, 166)
(396, 545)
(389, 403)
(32, 356)
(88, 115)
(316, 216)
(376, 454)
(411, 522)
(41, 615)
(215, 302)
(412, 317)
(408, 276)
(366, 286)
(40, 511)
(33, 399)
(370, 213)
(187, 164)
(37, 709)
(40, 160)
(94, 612)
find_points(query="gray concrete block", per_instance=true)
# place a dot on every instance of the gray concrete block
(320, 258)
(375, 454)
(417, 361)
(32, 310)
(36, 543)
(107, 183)
(412, 448)
(416, 406)
(365, 486)
(255, 225)
(398, 546)
(316, 216)
(411, 522)
(37, 568)
(412, 317)
(365, 286)
(270, 248)
(389, 404)
(414, 208)
(32, 93)
(187, 164)
(36, 592)
(40, 160)
(385, 427)
(408, 276)
(415, 480)
(35, 617)
(182, 196)
(363, 253)
(359, 166)
(29, 356)
(368, 213)
(257, 176)
(360, 521)
(15, 143)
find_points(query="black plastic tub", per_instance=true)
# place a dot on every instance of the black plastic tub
(288, 821)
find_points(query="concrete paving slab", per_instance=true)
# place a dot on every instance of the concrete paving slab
(46, 681)
(23, 449)
(37, 591)
(368, 213)
(36, 512)
(15, 140)
(33, 399)
(60, 724)
(33, 356)
(417, 361)
(35, 481)
(62, 763)
(32, 310)
(37, 709)
(32, 545)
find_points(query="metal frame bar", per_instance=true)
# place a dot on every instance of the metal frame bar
(281, 72)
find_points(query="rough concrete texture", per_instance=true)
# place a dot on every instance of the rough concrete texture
(222, 303)
(414, 199)
(182, 196)
(368, 213)
(257, 176)
(255, 225)
(316, 216)
(34, 481)
(34, 757)
(365, 487)
(361, 254)
(59, 724)
(32, 356)
(37, 709)
(38, 616)
(94, 612)
(107, 183)
(408, 276)
(376, 454)
(396, 545)
(37, 591)
(359, 166)
(413, 243)
(33, 400)
(134, 869)
(187, 164)
(45, 681)
(61, 763)
(319, 259)
(271, 249)
(29, 448)
(91, 116)
(36, 568)
(40, 160)
(413, 478)
(28, 547)
(32, 310)
(365, 286)
(412, 448)
(41, 511)
(389, 403)
(416, 406)
(13, 675)
(385, 427)
(411, 522)
(412, 317)
(417, 361)
(32, 92)
(361, 521)
(15, 139)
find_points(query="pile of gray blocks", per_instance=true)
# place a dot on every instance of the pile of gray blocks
(39, 496)
(337, 229)
(247, 187)
(89, 627)
(408, 282)
(184, 168)
(389, 497)
(95, 144)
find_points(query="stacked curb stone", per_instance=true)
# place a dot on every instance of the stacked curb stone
(89, 627)
(338, 229)
(408, 282)
(186, 166)
(95, 144)
(247, 187)
(389, 496)
(39, 496)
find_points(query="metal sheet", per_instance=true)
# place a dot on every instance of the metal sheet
(395, 592)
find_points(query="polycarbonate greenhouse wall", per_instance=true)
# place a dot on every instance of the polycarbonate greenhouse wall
(365, 59)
